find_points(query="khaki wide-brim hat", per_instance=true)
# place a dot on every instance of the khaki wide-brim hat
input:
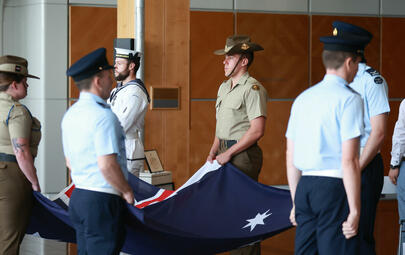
(16, 65)
(237, 44)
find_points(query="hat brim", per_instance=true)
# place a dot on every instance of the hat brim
(32, 76)
(25, 75)
(237, 49)
(88, 74)
(347, 43)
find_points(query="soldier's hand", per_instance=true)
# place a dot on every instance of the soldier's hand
(36, 187)
(211, 158)
(393, 174)
(223, 158)
(350, 226)
(129, 197)
(292, 216)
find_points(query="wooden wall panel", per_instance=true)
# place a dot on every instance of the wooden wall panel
(322, 26)
(202, 132)
(167, 65)
(386, 228)
(283, 66)
(90, 28)
(206, 35)
(273, 143)
(393, 61)
(154, 53)
(154, 43)
(280, 244)
(125, 19)
(176, 61)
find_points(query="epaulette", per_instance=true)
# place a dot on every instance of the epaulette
(372, 72)
(378, 79)
(17, 105)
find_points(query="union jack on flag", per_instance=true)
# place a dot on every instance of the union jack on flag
(218, 209)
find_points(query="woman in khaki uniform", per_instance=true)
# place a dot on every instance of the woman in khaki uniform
(19, 138)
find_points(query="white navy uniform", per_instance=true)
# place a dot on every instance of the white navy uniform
(129, 102)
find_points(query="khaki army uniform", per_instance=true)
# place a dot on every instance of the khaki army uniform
(15, 190)
(235, 108)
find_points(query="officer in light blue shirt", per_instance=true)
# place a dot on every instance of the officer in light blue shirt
(323, 138)
(374, 92)
(91, 124)
(313, 128)
(93, 143)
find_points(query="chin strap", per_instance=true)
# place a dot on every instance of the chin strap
(237, 63)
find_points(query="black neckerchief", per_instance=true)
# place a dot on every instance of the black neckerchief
(136, 82)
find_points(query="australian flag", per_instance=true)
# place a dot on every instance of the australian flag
(218, 209)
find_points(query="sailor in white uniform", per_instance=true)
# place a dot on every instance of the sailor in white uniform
(129, 101)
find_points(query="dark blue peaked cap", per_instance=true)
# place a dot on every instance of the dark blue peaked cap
(345, 42)
(341, 27)
(89, 65)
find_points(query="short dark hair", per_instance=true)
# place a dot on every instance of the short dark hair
(85, 84)
(136, 60)
(250, 57)
(335, 59)
(9, 78)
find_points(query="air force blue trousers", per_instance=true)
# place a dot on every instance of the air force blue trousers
(320, 209)
(372, 181)
(98, 219)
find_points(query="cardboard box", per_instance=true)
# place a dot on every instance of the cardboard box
(157, 178)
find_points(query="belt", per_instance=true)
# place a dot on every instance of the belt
(7, 157)
(104, 190)
(227, 143)
(335, 173)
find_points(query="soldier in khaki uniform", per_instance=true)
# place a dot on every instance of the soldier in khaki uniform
(20, 134)
(240, 114)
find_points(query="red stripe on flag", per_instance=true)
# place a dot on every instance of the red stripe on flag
(69, 191)
(162, 197)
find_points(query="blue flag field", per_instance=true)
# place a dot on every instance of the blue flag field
(218, 209)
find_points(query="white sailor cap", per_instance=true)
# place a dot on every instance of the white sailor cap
(124, 48)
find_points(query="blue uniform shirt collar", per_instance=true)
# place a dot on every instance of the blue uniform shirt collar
(93, 97)
(335, 78)
(362, 69)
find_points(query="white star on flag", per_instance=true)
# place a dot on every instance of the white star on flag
(258, 220)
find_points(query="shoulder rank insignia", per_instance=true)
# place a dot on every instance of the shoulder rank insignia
(378, 80)
(255, 87)
(372, 72)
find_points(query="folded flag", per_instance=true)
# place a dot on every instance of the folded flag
(219, 208)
